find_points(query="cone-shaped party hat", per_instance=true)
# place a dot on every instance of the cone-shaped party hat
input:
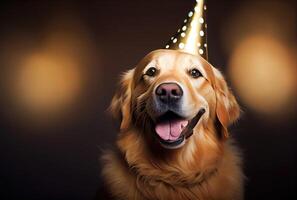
(192, 36)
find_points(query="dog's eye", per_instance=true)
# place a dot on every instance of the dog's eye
(195, 73)
(151, 71)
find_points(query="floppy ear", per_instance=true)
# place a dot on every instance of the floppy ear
(120, 106)
(227, 108)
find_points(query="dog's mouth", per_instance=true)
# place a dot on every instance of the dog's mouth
(172, 130)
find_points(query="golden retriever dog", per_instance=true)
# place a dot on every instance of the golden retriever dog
(174, 109)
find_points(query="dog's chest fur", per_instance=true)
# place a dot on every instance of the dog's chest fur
(225, 182)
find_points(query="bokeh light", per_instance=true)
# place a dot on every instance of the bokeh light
(264, 74)
(46, 76)
(46, 82)
(260, 40)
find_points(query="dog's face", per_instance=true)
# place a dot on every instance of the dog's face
(170, 95)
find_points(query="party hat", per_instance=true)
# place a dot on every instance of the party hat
(192, 36)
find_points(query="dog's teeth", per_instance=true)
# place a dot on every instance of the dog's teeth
(184, 124)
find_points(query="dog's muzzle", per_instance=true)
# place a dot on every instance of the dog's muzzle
(172, 128)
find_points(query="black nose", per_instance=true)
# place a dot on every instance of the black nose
(169, 92)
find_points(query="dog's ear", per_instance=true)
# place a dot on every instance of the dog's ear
(120, 106)
(227, 108)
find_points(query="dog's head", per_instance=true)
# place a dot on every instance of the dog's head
(171, 95)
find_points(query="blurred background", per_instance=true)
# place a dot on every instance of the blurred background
(60, 61)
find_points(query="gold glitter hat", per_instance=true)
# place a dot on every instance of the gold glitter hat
(192, 36)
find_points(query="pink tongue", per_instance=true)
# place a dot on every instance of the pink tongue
(170, 129)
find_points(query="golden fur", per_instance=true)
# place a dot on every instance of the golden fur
(208, 166)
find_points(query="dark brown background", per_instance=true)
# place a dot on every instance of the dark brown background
(60, 160)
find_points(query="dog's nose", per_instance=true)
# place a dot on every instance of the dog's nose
(169, 92)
